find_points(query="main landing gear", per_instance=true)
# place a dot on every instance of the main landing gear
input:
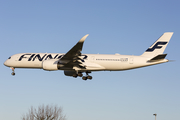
(83, 77)
(87, 76)
(13, 73)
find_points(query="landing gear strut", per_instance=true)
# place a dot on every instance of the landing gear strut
(13, 73)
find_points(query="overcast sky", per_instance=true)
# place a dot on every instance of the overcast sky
(124, 27)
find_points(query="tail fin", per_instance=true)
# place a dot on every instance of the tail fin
(159, 46)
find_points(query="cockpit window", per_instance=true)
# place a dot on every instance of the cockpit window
(9, 58)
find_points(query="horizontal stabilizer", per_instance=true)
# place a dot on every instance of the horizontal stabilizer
(158, 57)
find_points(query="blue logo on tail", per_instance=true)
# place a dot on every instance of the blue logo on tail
(156, 46)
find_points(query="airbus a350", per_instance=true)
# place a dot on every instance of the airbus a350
(74, 63)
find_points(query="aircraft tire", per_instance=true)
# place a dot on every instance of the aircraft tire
(89, 77)
(84, 78)
(75, 75)
(13, 73)
(80, 74)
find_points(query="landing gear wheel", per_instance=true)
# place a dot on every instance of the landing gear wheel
(80, 74)
(13, 73)
(89, 77)
(84, 78)
(75, 75)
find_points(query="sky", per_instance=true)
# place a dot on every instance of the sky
(124, 27)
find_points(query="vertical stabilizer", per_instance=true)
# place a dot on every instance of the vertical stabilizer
(159, 46)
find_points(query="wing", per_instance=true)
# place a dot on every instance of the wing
(73, 55)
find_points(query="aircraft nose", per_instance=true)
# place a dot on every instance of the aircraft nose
(6, 63)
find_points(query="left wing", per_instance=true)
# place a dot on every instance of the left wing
(72, 56)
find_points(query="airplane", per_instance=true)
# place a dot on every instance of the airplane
(74, 63)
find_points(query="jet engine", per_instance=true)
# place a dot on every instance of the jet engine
(50, 64)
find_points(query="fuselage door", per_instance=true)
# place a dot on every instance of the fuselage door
(92, 58)
(131, 60)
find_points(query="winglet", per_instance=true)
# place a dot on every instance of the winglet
(83, 38)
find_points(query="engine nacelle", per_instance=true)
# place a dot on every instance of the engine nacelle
(69, 73)
(50, 64)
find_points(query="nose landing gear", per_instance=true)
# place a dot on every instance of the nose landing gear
(13, 73)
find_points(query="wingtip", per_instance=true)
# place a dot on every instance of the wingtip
(83, 38)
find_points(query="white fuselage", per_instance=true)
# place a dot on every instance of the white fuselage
(93, 62)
